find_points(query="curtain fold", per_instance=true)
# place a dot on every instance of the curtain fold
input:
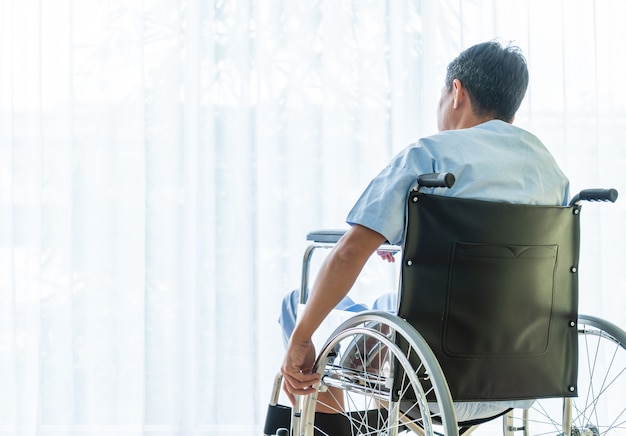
(161, 162)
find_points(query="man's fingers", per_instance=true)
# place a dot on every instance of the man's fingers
(297, 372)
(300, 385)
(302, 381)
(299, 389)
(386, 255)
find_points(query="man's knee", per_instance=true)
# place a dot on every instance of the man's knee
(289, 313)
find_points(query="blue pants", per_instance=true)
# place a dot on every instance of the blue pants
(289, 310)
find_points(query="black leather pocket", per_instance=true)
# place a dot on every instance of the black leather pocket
(500, 283)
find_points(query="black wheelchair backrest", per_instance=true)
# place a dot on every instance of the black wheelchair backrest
(493, 288)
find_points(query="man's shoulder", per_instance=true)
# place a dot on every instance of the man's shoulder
(488, 131)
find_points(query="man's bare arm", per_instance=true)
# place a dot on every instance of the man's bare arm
(335, 278)
(337, 274)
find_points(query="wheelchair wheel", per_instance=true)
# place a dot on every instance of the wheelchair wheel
(600, 407)
(370, 361)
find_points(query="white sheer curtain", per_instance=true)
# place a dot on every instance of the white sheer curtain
(161, 162)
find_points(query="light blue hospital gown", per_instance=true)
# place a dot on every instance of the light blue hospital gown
(492, 161)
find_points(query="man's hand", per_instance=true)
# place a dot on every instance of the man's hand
(386, 255)
(297, 369)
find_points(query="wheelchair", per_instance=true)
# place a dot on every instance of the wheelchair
(487, 311)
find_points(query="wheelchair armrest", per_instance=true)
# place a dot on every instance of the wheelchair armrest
(328, 236)
(334, 235)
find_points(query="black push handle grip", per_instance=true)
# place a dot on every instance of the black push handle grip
(436, 180)
(595, 195)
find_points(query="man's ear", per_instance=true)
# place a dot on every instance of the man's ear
(458, 93)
